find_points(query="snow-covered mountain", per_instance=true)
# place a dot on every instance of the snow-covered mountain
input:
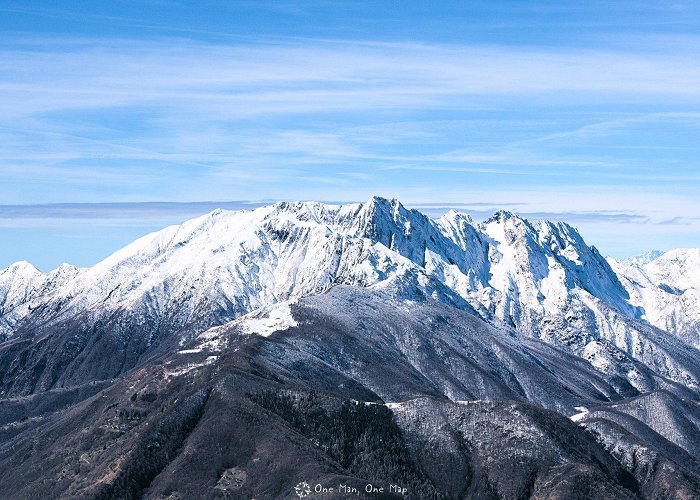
(355, 386)
(241, 352)
(667, 288)
(21, 284)
(535, 277)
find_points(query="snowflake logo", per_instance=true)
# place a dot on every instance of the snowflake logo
(303, 489)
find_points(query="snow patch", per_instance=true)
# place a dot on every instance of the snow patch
(269, 321)
(182, 370)
(583, 411)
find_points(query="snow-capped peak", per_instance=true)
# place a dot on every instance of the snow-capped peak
(539, 277)
(641, 260)
(17, 285)
(20, 269)
(679, 268)
(666, 285)
(501, 216)
(236, 261)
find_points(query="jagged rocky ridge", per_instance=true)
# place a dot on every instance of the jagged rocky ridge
(538, 278)
(439, 313)
(666, 286)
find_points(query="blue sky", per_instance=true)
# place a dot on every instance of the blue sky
(581, 111)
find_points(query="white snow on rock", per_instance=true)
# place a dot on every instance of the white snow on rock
(537, 277)
(583, 411)
(666, 286)
(188, 367)
(22, 283)
(268, 321)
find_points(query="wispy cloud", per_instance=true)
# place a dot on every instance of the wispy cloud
(571, 217)
(235, 82)
(76, 218)
(609, 127)
(588, 217)
(680, 221)
(152, 211)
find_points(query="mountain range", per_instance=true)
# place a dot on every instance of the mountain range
(243, 353)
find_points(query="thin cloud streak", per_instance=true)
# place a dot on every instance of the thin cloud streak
(68, 108)
(154, 211)
(262, 78)
(606, 128)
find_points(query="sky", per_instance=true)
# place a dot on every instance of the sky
(119, 118)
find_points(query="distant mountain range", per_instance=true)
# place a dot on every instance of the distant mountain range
(244, 352)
